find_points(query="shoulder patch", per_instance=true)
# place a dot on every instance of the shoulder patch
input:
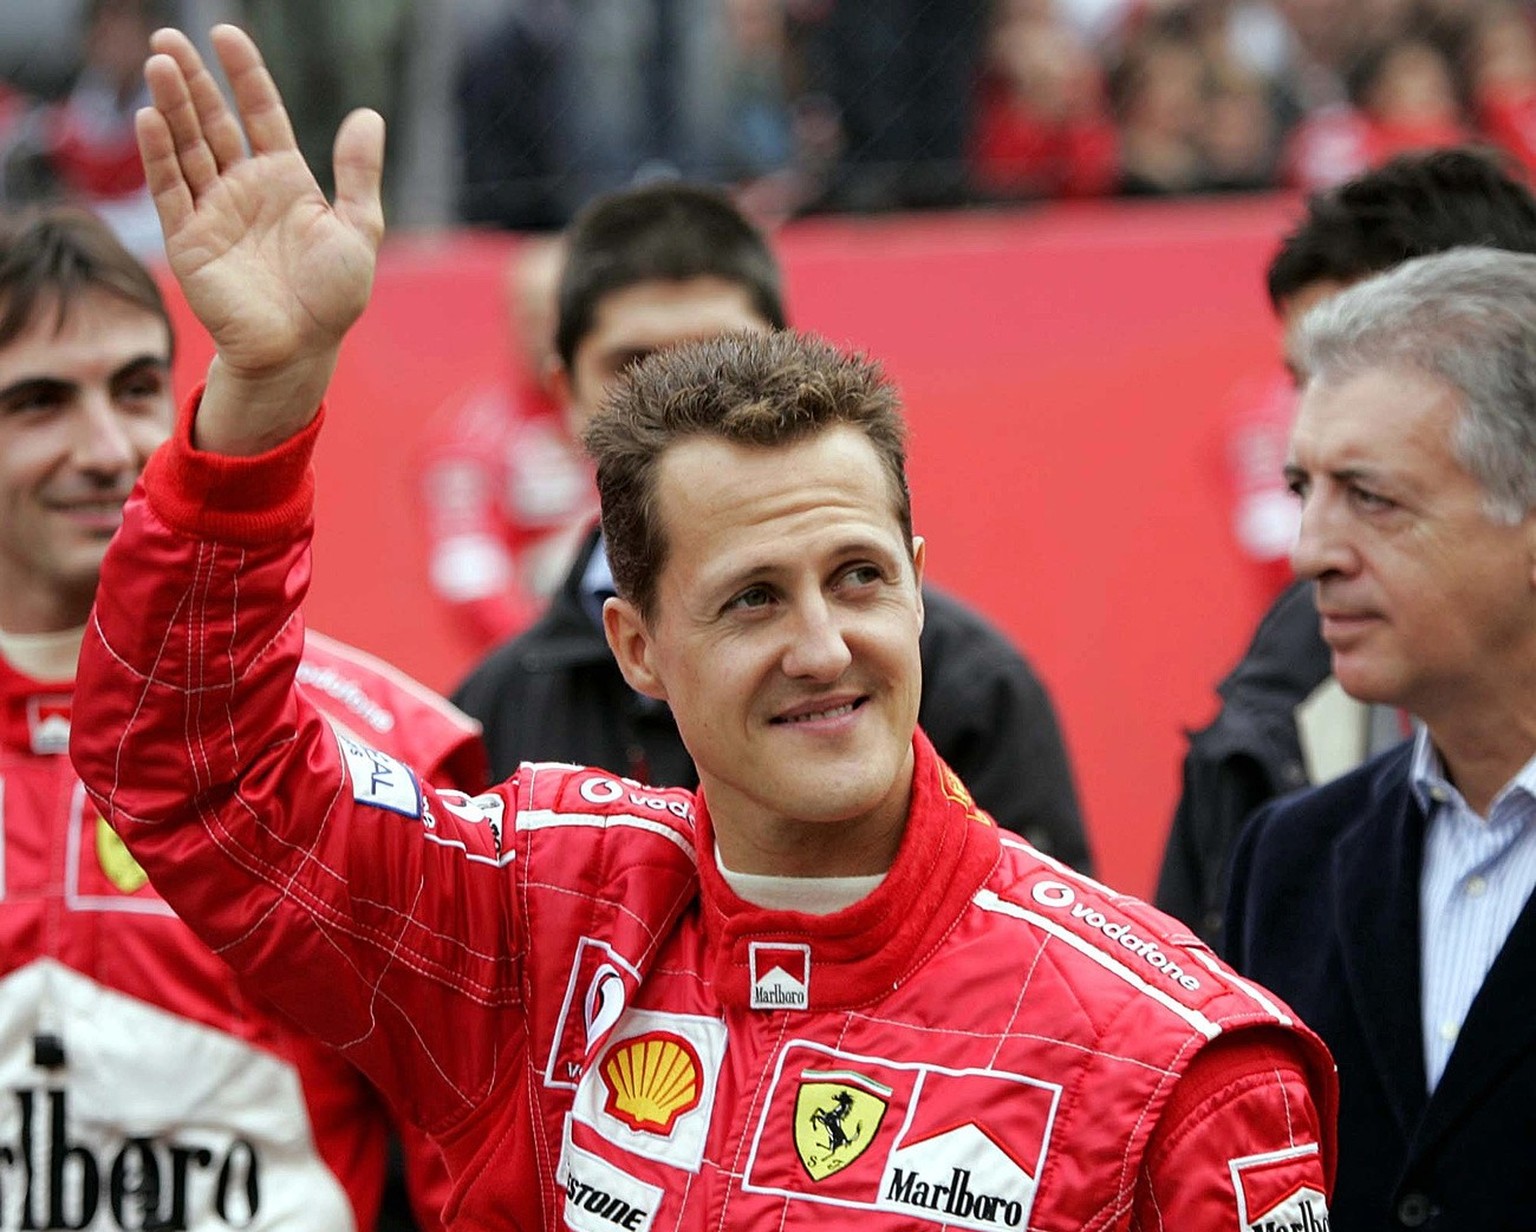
(378, 779)
(1278, 1191)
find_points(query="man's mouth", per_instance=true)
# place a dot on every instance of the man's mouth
(103, 513)
(822, 714)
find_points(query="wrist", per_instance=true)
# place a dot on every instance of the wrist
(244, 413)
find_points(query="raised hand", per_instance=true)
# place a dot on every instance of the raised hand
(276, 274)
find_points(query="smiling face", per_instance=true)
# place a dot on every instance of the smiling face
(785, 639)
(1426, 601)
(81, 409)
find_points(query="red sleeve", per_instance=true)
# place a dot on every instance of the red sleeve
(246, 806)
(1240, 1143)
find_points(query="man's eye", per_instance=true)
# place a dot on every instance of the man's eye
(1370, 500)
(752, 597)
(1298, 486)
(862, 575)
(138, 391)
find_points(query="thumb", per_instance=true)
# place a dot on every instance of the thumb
(358, 164)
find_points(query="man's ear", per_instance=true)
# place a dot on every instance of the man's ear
(630, 642)
(919, 559)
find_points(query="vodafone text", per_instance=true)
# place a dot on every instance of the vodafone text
(1056, 895)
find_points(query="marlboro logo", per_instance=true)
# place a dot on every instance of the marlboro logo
(781, 976)
(48, 724)
(1278, 1192)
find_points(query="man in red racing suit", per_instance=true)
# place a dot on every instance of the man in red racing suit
(141, 1085)
(558, 979)
(555, 979)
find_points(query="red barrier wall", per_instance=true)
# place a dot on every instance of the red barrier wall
(1066, 374)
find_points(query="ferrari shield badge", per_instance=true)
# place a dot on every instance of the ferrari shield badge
(837, 1114)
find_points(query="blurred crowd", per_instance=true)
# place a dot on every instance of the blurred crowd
(511, 113)
(815, 105)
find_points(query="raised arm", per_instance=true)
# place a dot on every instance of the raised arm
(275, 273)
(324, 871)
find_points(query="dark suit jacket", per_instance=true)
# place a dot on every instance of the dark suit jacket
(1324, 910)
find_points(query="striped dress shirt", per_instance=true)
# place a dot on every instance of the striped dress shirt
(1476, 876)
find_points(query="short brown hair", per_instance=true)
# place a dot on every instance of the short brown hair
(49, 257)
(671, 231)
(764, 389)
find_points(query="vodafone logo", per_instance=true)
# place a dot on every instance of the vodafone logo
(1059, 896)
(601, 791)
(1053, 894)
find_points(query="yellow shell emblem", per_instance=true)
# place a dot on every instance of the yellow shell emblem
(836, 1118)
(122, 869)
(652, 1080)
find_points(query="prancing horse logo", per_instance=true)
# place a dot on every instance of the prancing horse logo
(837, 1114)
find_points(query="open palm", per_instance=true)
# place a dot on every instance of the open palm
(275, 273)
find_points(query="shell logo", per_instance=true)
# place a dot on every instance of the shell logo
(652, 1080)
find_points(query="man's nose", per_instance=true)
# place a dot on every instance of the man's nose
(1322, 544)
(102, 442)
(818, 649)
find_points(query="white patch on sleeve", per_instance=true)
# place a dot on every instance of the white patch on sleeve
(1281, 1191)
(378, 779)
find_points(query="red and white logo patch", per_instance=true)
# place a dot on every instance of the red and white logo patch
(781, 975)
(1279, 1191)
(48, 724)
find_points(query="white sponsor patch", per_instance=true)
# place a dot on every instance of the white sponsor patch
(130, 1135)
(781, 975)
(651, 1089)
(602, 1198)
(958, 1147)
(488, 809)
(962, 1176)
(595, 996)
(378, 779)
(1277, 1192)
(48, 724)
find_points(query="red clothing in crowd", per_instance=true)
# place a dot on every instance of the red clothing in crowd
(144, 1086)
(507, 497)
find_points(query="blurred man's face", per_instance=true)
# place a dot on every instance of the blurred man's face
(635, 320)
(81, 409)
(785, 640)
(1295, 307)
(1426, 601)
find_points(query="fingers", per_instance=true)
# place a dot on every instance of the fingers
(256, 98)
(358, 163)
(162, 170)
(165, 74)
(220, 128)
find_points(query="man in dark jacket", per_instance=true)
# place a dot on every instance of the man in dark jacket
(1266, 740)
(1392, 908)
(647, 268)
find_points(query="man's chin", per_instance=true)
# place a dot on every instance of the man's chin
(1364, 685)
